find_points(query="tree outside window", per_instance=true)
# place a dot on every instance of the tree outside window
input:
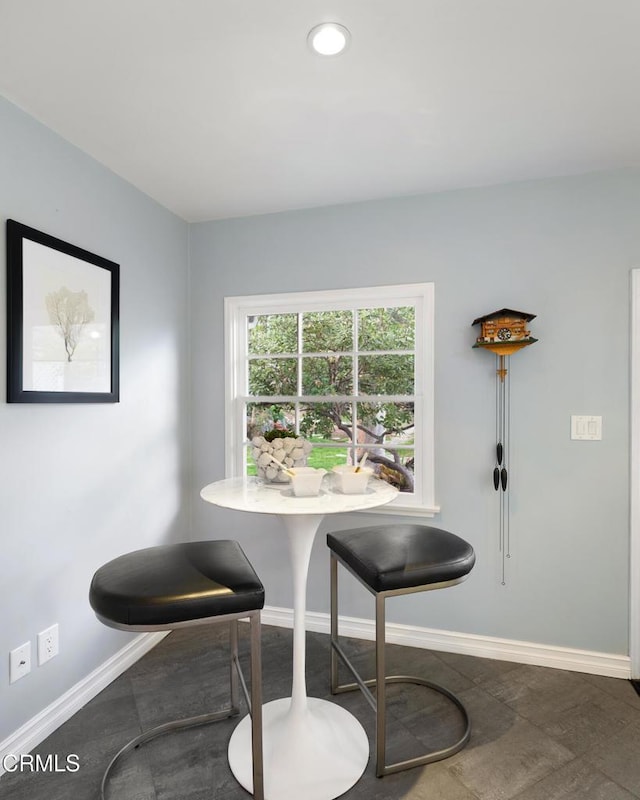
(358, 358)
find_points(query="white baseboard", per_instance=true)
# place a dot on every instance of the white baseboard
(540, 655)
(47, 721)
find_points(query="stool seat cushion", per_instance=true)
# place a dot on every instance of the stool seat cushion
(389, 557)
(176, 583)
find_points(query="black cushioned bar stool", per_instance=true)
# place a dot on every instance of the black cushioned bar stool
(174, 586)
(392, 560)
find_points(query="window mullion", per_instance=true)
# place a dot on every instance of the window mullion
(299, 373)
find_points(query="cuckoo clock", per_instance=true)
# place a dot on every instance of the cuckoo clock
(503, 332)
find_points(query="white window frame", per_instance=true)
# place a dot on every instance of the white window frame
(419, 295)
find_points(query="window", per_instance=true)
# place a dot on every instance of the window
(351, 371)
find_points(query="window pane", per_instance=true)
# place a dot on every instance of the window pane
(273, 376)
(327, 457)
(395, 466)
(327, 375)
(263, 417)
(386, 374)
(386, 423)
(387, 328)
(327, 331)
(326, 422)
(390, 426)
(273, 333)
(251, 464)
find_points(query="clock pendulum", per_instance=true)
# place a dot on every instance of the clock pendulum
(500, 473)
(503, 332)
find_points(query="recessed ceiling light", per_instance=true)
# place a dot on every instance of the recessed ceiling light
(328, 39)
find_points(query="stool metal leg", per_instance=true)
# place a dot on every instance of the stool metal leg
(233, 665)
(381, 687)
(254, 702)
(333, 584)
(381, 681)
(255, 708)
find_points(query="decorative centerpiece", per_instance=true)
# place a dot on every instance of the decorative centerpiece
(285, 447)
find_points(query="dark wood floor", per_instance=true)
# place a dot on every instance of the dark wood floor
(538, 733)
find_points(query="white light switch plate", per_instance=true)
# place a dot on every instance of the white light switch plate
(588, 428)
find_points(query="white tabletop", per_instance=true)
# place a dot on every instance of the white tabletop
(252, 494)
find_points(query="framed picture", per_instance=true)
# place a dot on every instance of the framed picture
(62, 321)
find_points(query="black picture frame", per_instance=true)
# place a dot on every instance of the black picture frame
(62, 321)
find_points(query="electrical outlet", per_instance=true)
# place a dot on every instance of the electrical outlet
(19, 662)
(47, 644)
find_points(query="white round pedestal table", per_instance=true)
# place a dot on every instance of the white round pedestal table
(313, 749)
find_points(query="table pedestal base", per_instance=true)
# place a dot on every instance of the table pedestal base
(316, 753)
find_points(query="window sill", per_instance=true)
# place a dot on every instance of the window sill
(402, 511)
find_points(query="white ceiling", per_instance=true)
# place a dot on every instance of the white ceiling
(217, 108)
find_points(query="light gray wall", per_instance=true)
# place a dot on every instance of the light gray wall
(80, 484)
(562, 249)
